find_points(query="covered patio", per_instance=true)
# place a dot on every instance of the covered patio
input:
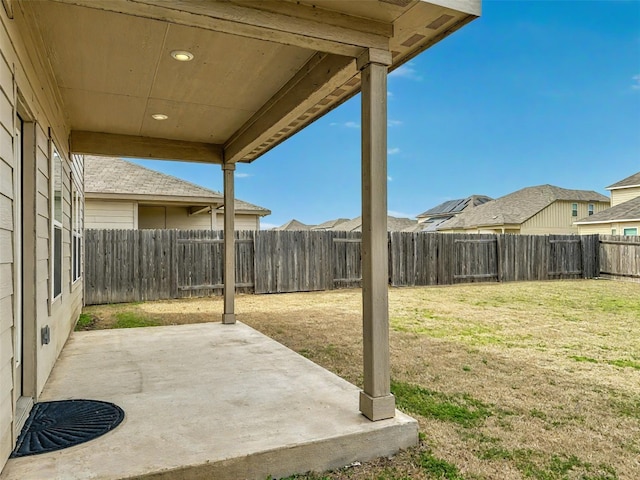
(224, 82)
(208, 401)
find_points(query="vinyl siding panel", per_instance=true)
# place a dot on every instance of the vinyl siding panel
(622, 195)
(7, 255)
(606, 228)
(557, 218)
(178, 217)
(242, 222)
(106, 214)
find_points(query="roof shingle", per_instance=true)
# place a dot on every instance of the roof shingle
(104, 175)
(630, 181)
(517, 207)
(629, 210)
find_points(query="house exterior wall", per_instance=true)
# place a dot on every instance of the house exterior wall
(110, 214)
(27, 89)
(607, 228)
(242, 222)
(621, 195)
(557, 218)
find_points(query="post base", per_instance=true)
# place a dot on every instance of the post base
(377, 408)
(228, 318)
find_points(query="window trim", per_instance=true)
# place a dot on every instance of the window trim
(574, 209)
(76, 231)
(634, 234)
(591, 208)
(55, 223)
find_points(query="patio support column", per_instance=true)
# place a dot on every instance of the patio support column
(229, 315)
(376, 401)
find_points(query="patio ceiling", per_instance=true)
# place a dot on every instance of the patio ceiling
(262, 70)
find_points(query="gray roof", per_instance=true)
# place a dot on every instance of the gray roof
(293, 225)
(394, 224)
(329, 224)
(455, 206)
(104, 175)
(631, 181)
(629, 210)
(518, 207)
(428, 226)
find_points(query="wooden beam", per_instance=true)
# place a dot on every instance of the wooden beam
(112, 145)
(229, 271)
(320, 76)
(198, 210)
(289, 23)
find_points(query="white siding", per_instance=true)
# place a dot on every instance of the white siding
(621, 195)
(606, 228)
(109, 214)
(178, 217)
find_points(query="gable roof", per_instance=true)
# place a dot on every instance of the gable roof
(517, 207)
(104, 176)
(394, 224)
(456, 206)
(629, 210)
(631, 181)
(293, 224)
(329, 224)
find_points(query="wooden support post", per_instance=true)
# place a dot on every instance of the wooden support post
(376, 401)
(229, 315)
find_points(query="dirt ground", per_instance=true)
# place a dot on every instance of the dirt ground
(508, 381)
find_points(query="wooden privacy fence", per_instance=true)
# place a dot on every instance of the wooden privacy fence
(139, 265)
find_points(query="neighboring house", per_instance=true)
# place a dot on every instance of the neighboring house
(123, 195)
(623, 218)
(394, 224)
(543, 209)
(329, 224)
(430, 220)
(293, 225)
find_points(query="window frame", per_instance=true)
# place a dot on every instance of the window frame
(56, 254)
(76, 231)
(574, 209)
(634, 234)
(591, 209)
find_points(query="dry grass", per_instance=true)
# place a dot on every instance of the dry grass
(508, 381)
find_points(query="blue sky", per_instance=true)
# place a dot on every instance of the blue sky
(532, 92)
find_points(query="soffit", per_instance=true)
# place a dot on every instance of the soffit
(240, 93)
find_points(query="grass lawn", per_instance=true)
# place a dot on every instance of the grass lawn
(533, 380)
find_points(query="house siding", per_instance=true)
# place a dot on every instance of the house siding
(26, 87)
(110, 214)
(606, 228)
(557, 218)
(621, 195)
(7, 245)
(242, 222)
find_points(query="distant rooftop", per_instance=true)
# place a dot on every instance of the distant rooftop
(631, 181)
(115, 176)
(455, 206)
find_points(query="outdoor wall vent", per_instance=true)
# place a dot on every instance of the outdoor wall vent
(440, 21)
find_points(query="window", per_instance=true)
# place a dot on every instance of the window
(630, 231)
(591, 208)
(614, 231)
(56, 224)
(76, 228)
(574, 209)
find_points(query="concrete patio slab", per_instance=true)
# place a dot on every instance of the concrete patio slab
(208, 401)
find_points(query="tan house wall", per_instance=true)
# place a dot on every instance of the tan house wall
(557, 219)
(607, 228)
(118, 214)
(110, 214)
(26, 88)
(621, 195)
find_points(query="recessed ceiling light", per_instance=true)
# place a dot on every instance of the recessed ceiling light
(159, 116)
(182, 55)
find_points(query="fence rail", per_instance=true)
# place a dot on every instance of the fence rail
(140, 265)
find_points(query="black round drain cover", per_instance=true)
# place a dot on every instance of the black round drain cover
(61, 424)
